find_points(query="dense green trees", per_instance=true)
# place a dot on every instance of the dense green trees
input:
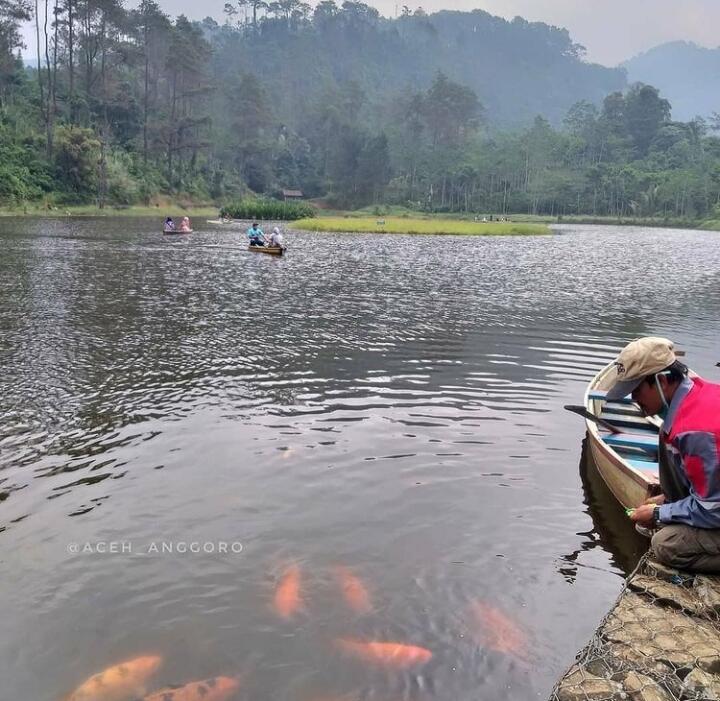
(430, 111)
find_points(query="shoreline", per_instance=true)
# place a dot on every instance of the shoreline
(659, 641)
(169, 210)
(420, 222)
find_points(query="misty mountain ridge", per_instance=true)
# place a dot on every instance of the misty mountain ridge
(686, 74)
(518, 69)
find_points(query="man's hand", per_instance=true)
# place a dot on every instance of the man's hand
(643, 515)
(659, 500)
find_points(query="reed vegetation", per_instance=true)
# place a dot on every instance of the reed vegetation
(267, 209)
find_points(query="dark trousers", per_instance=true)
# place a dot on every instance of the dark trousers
(256, 242)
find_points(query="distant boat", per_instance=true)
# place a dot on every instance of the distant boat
(272, 250)
(173, 232)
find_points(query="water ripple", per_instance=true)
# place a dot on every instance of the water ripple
(385, 403)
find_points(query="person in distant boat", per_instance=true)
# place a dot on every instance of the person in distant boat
(255, 235)
(185, 224)
(169, 224)
(276, 238)
(687, 512)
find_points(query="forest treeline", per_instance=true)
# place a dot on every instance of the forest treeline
(446, 112)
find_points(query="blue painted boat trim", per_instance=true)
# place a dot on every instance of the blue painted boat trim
(645, 465)
(634, 440)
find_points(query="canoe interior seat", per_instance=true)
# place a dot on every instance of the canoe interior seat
(622, 409)
(644, 466)
(601, 394)
(644, 441)
(637, 424)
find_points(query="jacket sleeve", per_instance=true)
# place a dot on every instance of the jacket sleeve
(698, 452)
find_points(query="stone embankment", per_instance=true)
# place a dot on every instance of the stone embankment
(660, 642)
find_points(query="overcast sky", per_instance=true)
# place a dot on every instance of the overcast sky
(611, 30)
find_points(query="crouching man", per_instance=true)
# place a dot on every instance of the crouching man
(687, 513)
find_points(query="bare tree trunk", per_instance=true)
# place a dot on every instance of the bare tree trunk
(89, 54)
(55, 52)
(102, 194)
(39, 63)
(48, 110)
(171, 136)
(71, 68)
(145, 93)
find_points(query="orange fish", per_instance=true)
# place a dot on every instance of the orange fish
(354, 591)
(213, 689)
(396, 655)
(287, 599)
(121, 682)
(498, 632)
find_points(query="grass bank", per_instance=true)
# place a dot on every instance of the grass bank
(403, 225)
(712, 225)
(392, 211)
(169, 210)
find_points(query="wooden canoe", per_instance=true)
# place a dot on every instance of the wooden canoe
(173, 233)
(272, 250)
(627, 461)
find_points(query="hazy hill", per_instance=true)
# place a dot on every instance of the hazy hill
(517, 68)
(686, 74)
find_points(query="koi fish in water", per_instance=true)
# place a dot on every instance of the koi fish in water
(287, 601)
(121, 682)
(213, 689)
(396, 655)
(496, 631)
(354, 592)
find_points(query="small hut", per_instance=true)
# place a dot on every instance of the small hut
(292, 195)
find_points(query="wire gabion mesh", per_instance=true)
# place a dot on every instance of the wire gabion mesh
(659, 642)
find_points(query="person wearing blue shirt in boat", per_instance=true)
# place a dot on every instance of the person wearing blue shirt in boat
(255, 235)
(687, 513)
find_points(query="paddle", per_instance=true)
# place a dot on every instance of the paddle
(582, 411)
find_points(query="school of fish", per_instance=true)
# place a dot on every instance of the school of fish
(128, 680)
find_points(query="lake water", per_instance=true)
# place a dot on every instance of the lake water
(387, 404)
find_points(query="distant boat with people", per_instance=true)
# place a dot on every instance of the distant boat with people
(169, 226)
(257, 241)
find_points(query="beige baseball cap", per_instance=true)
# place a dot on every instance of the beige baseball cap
(639, 359)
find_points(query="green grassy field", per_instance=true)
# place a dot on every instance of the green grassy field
(712, 225)
(402, 225)
(391, 212)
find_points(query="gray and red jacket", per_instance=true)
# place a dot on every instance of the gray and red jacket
(691, 434)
